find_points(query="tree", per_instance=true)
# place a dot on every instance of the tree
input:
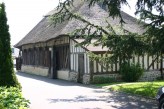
(127, 45)
(7, 74)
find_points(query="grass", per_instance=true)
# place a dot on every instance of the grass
(147, 89)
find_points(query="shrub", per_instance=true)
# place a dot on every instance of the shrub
(7, 74)
(1, 106)
(11, 98)
(102, 80)
(131, 72)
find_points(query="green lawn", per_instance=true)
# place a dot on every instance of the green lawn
(147, 89)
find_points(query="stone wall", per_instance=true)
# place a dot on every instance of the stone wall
(42, 71)
(114, 76)
(147, 76)
(86, 79)
(73, 76)
(150, 76)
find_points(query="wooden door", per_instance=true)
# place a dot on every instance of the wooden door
(80, 67)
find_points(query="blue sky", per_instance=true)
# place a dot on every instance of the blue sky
(23, 15)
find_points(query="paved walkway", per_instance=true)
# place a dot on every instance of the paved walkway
(47, 93)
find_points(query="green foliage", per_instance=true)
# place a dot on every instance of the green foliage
(146, 8)
(102, 80)
(1, 106)
(124, 45)
(131, 72)
(159, 78)
(11, 98)
(7, 74)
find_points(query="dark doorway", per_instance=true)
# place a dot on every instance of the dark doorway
(80, 67)
(18, 63)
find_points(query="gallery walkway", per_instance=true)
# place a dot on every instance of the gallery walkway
(47, 93)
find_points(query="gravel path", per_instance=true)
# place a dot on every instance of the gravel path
(45, 93)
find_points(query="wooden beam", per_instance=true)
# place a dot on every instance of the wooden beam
(148, 62)
(91, 70)
(102, 73)
(152, 63)
(143, 63)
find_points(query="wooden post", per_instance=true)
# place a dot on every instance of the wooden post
(91, 70)
(148, 61)
(138, 58)
(133, 58)
(102, 64)
(51, 62)
(153, 62)
(157, 62)
(116, 65)
(161, 66)
(143, 63)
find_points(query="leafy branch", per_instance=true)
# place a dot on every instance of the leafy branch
(106, 36)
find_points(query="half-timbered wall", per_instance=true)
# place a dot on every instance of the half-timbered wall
(62, 57)
(96, 67)
(75, 51)
(73, 61)
(51, 56)
(145, 61)
(36, 56)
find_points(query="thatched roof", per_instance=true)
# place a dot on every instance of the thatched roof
(45, 29)
(91, 47)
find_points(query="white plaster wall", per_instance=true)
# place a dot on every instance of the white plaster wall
(42, 71)
(63, 75)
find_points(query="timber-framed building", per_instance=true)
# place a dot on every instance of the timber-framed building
(49, 51)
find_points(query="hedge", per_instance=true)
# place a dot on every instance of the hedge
(11, 98)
